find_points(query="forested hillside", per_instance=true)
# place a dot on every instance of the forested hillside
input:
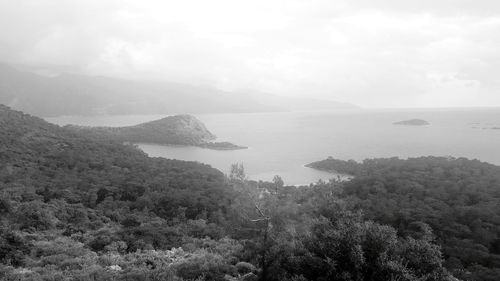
(67, 197)
(458, 198)
(76, 207)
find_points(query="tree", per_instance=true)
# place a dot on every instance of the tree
(254, 206)
(237, 173)
(278, 183)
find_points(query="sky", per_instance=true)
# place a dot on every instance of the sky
(373, 53)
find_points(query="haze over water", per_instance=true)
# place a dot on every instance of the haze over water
(281, 143)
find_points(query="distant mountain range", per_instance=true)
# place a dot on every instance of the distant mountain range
(72, 94)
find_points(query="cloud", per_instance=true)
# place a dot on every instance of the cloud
(374, 53)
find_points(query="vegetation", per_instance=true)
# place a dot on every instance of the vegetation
(171, 130)
(458, 198)
(86, 207)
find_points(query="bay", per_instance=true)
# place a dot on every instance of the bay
(281, 143)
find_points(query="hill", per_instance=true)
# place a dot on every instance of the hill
(66, 196)
(75, 94)
(457, 197)
(171, 130)
(38, 155)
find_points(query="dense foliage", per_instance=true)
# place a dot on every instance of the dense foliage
(458, 198)
(75, 207)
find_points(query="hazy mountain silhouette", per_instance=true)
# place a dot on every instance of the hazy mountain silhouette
(73, 94)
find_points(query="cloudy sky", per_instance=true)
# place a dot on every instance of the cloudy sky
(374, 53)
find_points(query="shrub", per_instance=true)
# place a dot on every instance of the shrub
(245, 267)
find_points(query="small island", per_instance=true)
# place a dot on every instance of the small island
(171, 130)
(487, 126)
(412, 122)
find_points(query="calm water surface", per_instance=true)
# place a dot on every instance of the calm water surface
(281, 143)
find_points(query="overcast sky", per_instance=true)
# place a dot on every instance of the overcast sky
(374, 53)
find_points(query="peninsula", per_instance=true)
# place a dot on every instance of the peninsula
(172, 130)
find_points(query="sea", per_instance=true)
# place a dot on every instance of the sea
(282, 143)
